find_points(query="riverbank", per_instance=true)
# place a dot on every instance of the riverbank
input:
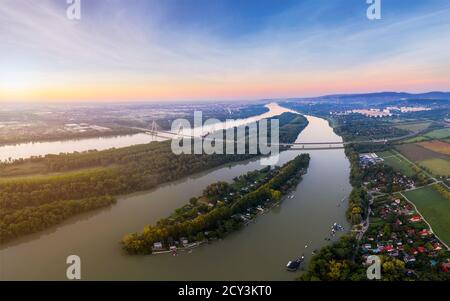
(221, 209)
(117, 172)
(384, 226)
(281, 232)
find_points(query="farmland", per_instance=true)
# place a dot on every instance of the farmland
(442, 134)
(414, 126)
(439, 134)
(437, 146)
(399, 164)
(438, 167)
(434, 208)
(437, 163)
(415, 152)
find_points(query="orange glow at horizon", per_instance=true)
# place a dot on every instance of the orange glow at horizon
(235, 88)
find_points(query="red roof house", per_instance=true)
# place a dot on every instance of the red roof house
(415, 218)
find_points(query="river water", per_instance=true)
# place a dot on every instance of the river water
(27, 150)
(257, 252)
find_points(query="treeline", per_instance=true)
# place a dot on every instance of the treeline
(221, 219)
(118, 171)
(157, 155)
(442, 191)
(359, 127)
(33, 219)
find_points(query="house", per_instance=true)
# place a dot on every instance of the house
(437, 247)
(445, 267)
(157, 245)
(184, 241)
(411, 273)
(411, 232)
(376, 251)
(415, 218)
(424, 232)
(367, 246)
(421, 249)
(388, 248)
(394, 253)
(409, 259)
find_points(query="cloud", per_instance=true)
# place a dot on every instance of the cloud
(133, 45)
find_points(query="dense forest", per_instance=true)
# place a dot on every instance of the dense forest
(28, 220)
(93, 174)
(213, 215)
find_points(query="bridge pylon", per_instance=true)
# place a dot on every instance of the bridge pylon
(154, 128)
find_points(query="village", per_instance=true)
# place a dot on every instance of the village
(397, 230)
(394, 228)
(380, 178)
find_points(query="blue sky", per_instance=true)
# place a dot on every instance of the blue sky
(217, 49)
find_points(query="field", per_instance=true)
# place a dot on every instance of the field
(436, 163)
(443, 134)
(438, 167)
(434, 208)
(414, 126)
(439, 134)
(397, 163)
(415, 152)
(437, 146)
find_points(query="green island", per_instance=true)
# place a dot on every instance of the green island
(220, 210)
(40, 192)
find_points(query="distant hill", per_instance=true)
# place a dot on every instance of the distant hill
(380, 97)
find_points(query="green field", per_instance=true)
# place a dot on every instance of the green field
(417, 139)
(443, 134)
(434, 208)
(414, 126)
(397, 163)
(438, 134)
(437, 166)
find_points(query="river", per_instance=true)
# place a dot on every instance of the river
(258, 252)
(29, 149)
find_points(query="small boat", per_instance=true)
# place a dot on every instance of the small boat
(293, 265)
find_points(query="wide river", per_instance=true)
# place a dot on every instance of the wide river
(29, 149)
(257, 252)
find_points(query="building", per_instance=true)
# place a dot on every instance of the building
(369, 159)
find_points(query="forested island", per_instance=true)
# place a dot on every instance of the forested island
(220, 210)
(33, 189)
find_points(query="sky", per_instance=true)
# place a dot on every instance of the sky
(173, 50)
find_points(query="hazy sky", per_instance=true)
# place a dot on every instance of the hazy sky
(212, 49)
